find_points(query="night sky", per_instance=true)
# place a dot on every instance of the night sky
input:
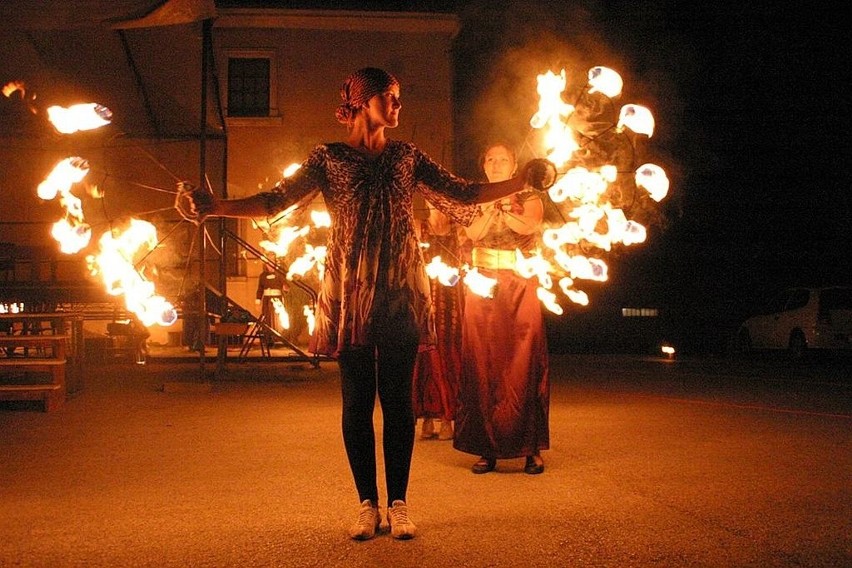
(753, 119)
(752, 127)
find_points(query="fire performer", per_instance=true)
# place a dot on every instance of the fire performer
(504, 393)
(374, 304)
(270, 285)
(436, 374)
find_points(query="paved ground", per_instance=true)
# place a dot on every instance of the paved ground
(686, 463)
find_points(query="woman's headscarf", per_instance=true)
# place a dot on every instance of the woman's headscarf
(360, 87)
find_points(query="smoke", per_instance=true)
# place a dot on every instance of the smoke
(504, 45)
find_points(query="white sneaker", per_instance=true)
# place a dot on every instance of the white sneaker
(368, 522)
(401, 526)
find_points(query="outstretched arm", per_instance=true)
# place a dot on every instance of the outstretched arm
(196, 204)
(537, 173)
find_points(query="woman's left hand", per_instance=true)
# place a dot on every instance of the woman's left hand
(539, 174)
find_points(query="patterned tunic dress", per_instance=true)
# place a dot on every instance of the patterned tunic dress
(375, 290)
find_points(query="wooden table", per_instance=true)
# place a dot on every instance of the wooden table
(66, 327)
(27, 354)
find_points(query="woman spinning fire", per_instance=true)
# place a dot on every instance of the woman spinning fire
(374, 305)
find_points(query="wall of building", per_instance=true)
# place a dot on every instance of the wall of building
(313, 52)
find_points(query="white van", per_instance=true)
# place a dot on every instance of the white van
(801, 319)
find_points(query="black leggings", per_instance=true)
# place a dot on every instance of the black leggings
(363, 372)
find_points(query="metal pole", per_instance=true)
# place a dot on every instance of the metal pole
(202, 176)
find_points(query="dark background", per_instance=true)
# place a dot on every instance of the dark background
(752, 114)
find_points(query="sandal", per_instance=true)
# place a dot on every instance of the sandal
(534, 465)
(484, 465)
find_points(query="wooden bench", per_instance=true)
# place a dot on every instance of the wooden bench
(40, 354)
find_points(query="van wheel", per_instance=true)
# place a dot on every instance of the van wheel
(797, 346)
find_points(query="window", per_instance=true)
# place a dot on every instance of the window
(639, 312)
(251, 84)
(248, 87)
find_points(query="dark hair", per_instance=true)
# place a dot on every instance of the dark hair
(360, 87)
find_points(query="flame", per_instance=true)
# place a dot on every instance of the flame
(13, 86)
(605, 80)
(281, 312)
(576, 296)
(444, 273)
(65, 174)
(19, 87)
(653, 179)
(549, 300)
(115, 265)
(558, 138)
(310, 317)
(637, 118)
(290, 170)
(83, 116)
(320, 219)
(72, 238)
(591, 194)
(282, 238)
(285, 236)
(478, 283)
(313, 257)
(72, 233)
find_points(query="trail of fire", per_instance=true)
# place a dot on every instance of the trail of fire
(583, 193)
(115, 261)
(308, 258)
(114, 264)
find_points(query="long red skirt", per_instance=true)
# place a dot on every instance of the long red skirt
(504, 393)
(436, 373)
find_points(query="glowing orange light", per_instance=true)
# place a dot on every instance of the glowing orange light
(83, 116)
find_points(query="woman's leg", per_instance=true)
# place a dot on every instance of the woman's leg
(395, 372)
(358, 387)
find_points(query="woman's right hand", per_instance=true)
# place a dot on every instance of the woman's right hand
(194, 203)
